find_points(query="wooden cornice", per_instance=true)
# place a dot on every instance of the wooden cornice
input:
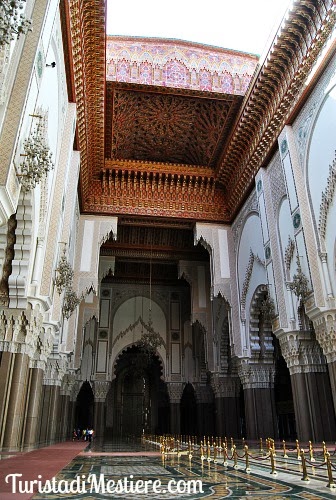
(87, 18)
(274, 93)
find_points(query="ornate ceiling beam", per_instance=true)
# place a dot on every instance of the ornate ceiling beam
(284, 72)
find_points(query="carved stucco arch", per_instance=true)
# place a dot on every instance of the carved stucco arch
(129, 346)
(261, 341)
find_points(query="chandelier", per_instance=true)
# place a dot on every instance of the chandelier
(70, 302)
(150, 340)
(63, 281)
(64, 274)
(300, 283)
(37, 156)
(267, 307)
(12, 23)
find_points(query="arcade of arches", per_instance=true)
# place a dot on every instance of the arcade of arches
(173, 270)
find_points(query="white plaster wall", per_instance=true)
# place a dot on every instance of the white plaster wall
(320, 155)
(321, 150)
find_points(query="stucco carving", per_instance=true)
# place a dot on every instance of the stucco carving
(251, 205)
(277, 183)
(225, 387)
(302, 354)
(100, 390)
(304, 121)
(175, 391)
(248, 273)
(256, 376)
(327, 199)
(325, 331)
(208, 236)
(18, 280)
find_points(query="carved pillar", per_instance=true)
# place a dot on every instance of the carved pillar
(227, 405)
(100, 390)
(258, 385)
(205, 410)
(175, 391)
(34, 406)
(314, 412)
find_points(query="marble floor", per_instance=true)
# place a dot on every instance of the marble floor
(96, 471)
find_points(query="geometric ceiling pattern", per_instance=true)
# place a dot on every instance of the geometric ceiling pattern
(171, 132)
(172, 129)
(168, 128)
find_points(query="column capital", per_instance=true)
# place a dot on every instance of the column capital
(256, 375)
(175, 391)
(302, 354)
(325, 331)
(204, 393)
(100, 389)
(225, 386)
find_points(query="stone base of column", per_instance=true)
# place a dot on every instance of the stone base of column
(175, 418)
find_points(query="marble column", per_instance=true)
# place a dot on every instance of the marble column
(313, 403)
(325, 330)
(259, 400)
(205, 410)
(175, 390)
(15, 414)
(34, 407)
(6, 371)
(100, 390)
(227, 406)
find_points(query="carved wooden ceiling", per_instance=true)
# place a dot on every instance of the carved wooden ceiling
(181, 137)
(148, 124)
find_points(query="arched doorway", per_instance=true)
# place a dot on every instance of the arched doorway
(189, 412)
(140, 397)
(84, 407)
